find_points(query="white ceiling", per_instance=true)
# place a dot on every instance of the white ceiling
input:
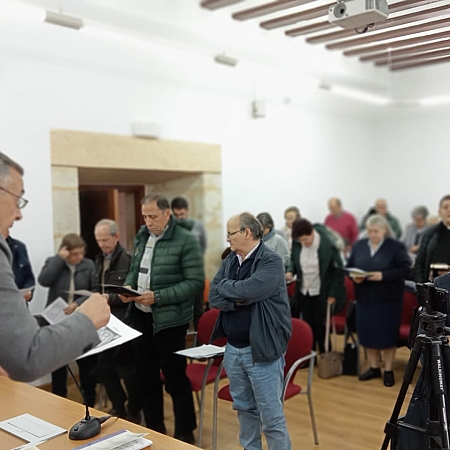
(177, 40)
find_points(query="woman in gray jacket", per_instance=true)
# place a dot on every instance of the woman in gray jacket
(63, 273)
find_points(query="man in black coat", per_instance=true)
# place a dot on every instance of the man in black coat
(111, 267)
(435, 245)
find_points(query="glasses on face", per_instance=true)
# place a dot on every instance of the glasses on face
(21, 202)
(234, 232)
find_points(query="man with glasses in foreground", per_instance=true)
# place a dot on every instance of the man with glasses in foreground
(29, 351)
(250, 291)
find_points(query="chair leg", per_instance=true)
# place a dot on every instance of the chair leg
(310, 402)
(201, 402)
(202, 410)
(215, 407)
(313, 419)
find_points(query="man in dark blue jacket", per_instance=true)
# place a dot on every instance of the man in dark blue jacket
(21, 266)
(250, 291)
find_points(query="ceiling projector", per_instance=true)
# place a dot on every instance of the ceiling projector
(357, 13)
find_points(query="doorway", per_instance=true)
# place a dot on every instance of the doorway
(118, 203)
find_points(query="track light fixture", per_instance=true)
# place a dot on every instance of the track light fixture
(59, 18)
(227, 60)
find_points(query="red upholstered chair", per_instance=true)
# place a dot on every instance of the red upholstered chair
(409, 304)
(200, 374)
(340, 317)
(298, 352)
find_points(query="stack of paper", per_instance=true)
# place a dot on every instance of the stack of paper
(202, 352)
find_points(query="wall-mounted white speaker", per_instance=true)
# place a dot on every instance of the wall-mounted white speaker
(150, 130)
(258, 108)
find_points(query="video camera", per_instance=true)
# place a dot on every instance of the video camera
(432, 298)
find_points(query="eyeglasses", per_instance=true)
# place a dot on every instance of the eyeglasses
(21, 202)
(234, 232)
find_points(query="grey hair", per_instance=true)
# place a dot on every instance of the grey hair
(377, 220)
(266, 220)
(421, 211)
(113, 227)
(293, 209)
(247, 220)
(6, 164)
(161, 202)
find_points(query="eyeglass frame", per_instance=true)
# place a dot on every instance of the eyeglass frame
(21, 202)
(234, 232)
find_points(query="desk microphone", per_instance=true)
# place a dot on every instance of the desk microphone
(89, 426)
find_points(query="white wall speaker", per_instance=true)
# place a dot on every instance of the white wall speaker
(258, 108)
(150, 130)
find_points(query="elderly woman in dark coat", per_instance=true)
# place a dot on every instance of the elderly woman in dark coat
(379, 295)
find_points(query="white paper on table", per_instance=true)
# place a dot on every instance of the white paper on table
(204, 351)
(31, 428)
(122, 439)
(114, 333)
(54, 312)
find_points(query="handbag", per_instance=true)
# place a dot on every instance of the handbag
(330, 362)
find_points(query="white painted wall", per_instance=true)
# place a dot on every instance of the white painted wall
(302, 153)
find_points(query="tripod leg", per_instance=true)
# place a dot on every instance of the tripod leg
(438, 399)
(407, 379)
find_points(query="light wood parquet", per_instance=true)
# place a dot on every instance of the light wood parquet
(350, 414)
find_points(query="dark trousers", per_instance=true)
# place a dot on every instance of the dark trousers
(87, 369)
(155, 353)
(114, 364)
(199, 309)
(310, 310)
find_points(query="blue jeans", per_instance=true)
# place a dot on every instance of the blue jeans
(256, 389)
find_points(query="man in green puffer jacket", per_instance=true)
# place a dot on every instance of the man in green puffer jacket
(167, 268)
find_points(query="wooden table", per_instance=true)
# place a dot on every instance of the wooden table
(20, 398)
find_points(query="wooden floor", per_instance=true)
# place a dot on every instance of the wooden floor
(350, 414)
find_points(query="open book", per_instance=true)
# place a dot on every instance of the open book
(127, 292)
(354, 272)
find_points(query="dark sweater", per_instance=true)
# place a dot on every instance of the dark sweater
(236, 324)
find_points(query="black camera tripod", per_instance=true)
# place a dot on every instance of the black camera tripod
(433, 345)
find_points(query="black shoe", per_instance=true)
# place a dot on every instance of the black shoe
(159, 427)
(371, 373)
(121, 413)
(134, 417)
(187, 437)
(389, 380)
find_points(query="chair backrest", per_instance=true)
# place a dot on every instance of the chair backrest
(291, 288)
(205, 328)
(299, 345)
(409, 303)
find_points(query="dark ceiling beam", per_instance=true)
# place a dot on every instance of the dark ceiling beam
(301, 16)
(406, 51)
(413, 57)
(392, 34)
(395, 44)
(267, 8)
(388, 23)
(412, 65)
(216, 4)
(307, 29)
